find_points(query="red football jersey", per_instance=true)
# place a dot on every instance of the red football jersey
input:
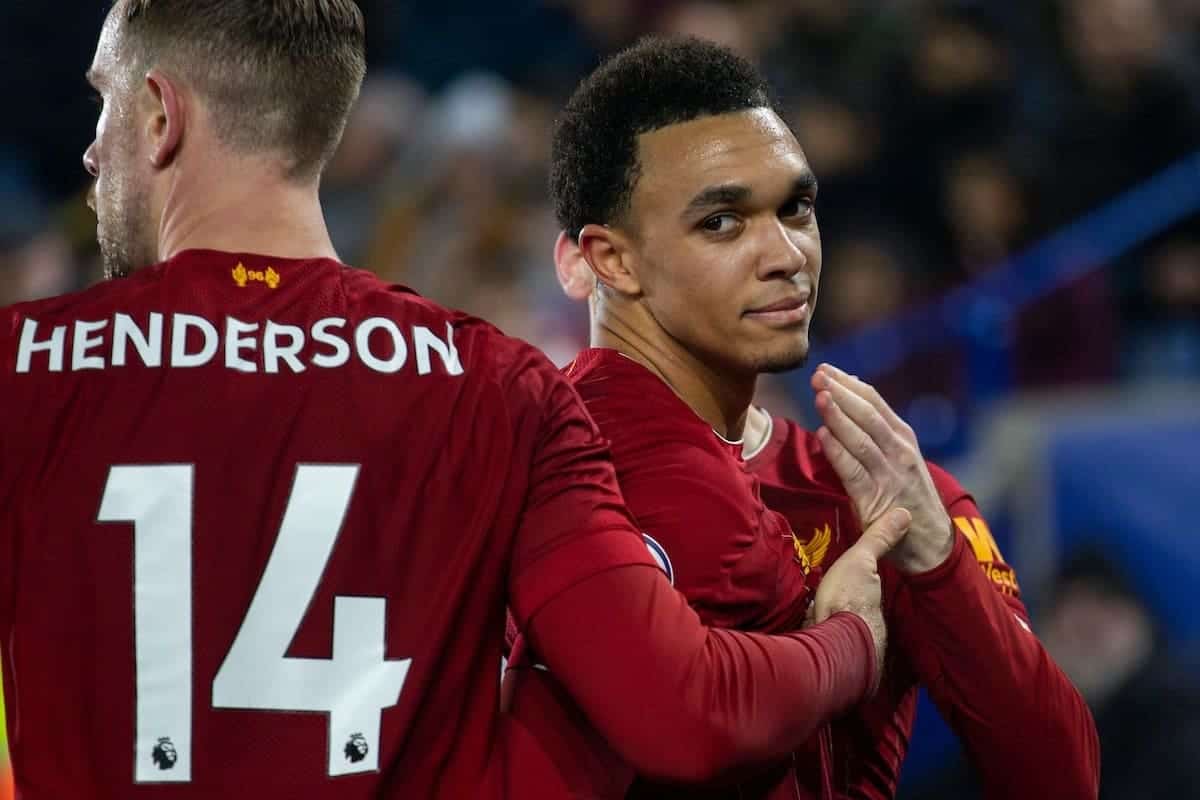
(261, 519)
(960, 630)
(703, 518)
(693, 499)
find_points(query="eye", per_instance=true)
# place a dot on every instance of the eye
(720, 223)
(801, 207)
(97, 99)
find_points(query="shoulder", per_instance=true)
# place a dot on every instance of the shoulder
(369, 294)
(658, 443)
(632, 405)
(96, 298)
(505, 360)
(39, 319)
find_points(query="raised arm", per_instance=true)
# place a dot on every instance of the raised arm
(1025, 727)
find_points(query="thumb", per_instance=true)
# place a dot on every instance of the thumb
(885, 532)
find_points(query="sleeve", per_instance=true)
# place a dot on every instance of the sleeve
(963, 627)
(682, 497)
(681, 702)
(574, 523)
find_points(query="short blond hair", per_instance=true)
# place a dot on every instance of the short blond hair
(278, 75)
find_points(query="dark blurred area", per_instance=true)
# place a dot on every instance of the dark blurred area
(950, 138)
(1142, 691)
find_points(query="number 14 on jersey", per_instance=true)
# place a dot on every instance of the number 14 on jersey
(353, 687)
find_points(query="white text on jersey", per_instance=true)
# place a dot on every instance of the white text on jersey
(377, 342)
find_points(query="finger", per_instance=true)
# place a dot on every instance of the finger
(851, 434)
(869, 393)
(863, 413)
(853, 475)
(885, 533)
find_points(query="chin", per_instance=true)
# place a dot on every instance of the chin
(783, 360)
(783, 365)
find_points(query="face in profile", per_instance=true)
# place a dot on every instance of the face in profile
(121, 172)
(725, 239)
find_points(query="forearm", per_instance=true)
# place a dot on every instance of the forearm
(1026, 728)
(682, 702)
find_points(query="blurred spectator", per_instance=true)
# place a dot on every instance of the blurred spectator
(986, 210)
(1146, 703)
(864, 278)
(1164, 340)
(1069, 337)
(956, 94)
(1144, 696)
(843, 145)
(37, 267)
(34, 256)
(1128, 103)
(383, 125)
(962, 127)
(717, 22)
(541, 43)
(873, 273)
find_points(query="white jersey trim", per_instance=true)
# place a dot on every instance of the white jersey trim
(762, 445)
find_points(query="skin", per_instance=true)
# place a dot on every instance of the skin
(721, 228)
(165, 183)
(679, 287)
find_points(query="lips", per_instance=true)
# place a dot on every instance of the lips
(785, 313)
(787, 304)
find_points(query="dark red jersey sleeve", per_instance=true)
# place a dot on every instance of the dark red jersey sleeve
(574, 522)
(681, 702)
(966, 632)
(725, 551)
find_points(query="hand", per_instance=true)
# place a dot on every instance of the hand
(876, 455)
(852, 583)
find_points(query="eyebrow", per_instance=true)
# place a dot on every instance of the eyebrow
(727, 194)
(92, 77)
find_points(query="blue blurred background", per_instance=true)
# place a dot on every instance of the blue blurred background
(1010, 207)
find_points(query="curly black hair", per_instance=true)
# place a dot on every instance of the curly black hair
(657, 82)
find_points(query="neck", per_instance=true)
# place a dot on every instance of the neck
(721, 399)
(244, 207)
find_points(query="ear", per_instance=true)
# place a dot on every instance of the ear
(574, 275)
(167, 118)
(610, 255)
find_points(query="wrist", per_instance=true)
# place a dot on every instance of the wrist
(872, 641)
(921, 553)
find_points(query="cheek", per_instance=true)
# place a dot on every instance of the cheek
(114, 142)
(706, 295)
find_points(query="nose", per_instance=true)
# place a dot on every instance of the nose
(782, 253)
(89, 161)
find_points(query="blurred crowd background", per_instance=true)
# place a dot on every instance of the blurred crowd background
(953, 141)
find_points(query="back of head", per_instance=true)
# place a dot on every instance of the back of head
(660, 81)
(277, 76)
